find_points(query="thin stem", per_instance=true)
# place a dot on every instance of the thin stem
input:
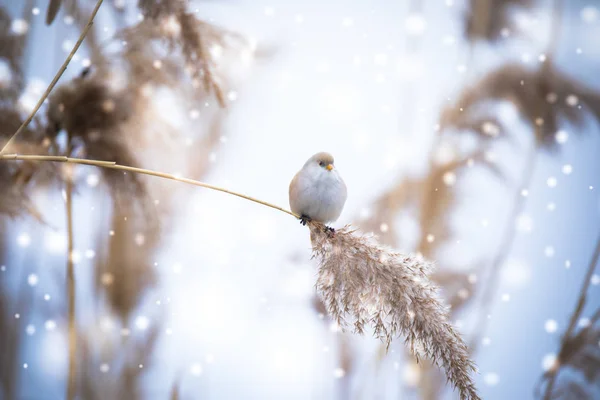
(56, 77)
(70, 287)
(503, 250)
(575, 317)
(112, 165)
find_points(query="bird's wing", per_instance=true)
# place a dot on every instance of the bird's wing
(293, 192)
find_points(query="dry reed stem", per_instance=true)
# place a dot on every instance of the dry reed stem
(112, 165)
(72, 330)
(574, 317)
(365, 285)
(56, 77)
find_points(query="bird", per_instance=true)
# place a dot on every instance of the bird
(318, 192)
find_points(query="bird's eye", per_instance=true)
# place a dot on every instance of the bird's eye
(321, 163)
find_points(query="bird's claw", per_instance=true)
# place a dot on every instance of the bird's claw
(330, 231)
(304, 219)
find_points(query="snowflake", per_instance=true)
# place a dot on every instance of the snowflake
(30, 329)
(142, 322)
(551, 326)
(196, 369)
(549, 362)
(339, 373)
(23, 240)
(32, 279)
(19, 26)
(589, 14)
(50, 325)
(561, 137)
(491, 379)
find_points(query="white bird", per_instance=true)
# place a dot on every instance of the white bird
(318, 192)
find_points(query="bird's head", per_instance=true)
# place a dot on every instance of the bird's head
(322, 160)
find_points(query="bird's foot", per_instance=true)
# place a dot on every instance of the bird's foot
(304, 219)
(329, 231)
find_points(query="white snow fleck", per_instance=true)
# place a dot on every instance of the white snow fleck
(347, 22)
(449, 178)
(196, 369)
(67, 45)
(19, 26)
(491, 379)
(23, 240)
(549, 251)
(567, 169)
(32, 279)
(561, 137)
(550, 326)
(50, 325)
(30, 329)
(142, 322)
(415, 24)
(583, 322)
(339, 373)
(551, 182)
(411, 374)
(589, 14)
(524, 223)
(549, 362)
(595, 280)
(104, 368)
(194, 114)
(92, 180)
(572, 100)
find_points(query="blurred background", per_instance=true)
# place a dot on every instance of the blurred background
(466, 130)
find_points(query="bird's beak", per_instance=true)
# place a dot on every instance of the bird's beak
(329, 167)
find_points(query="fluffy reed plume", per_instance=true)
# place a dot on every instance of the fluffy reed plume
(190, 37)
(366, 285)
(124, 267)
(18, 180)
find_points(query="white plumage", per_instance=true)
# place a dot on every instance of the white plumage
(318, 192)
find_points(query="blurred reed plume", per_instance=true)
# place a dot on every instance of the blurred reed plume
(17, 180)
(94, 115)
(366, 285)
(544, 97)
(490, 20)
